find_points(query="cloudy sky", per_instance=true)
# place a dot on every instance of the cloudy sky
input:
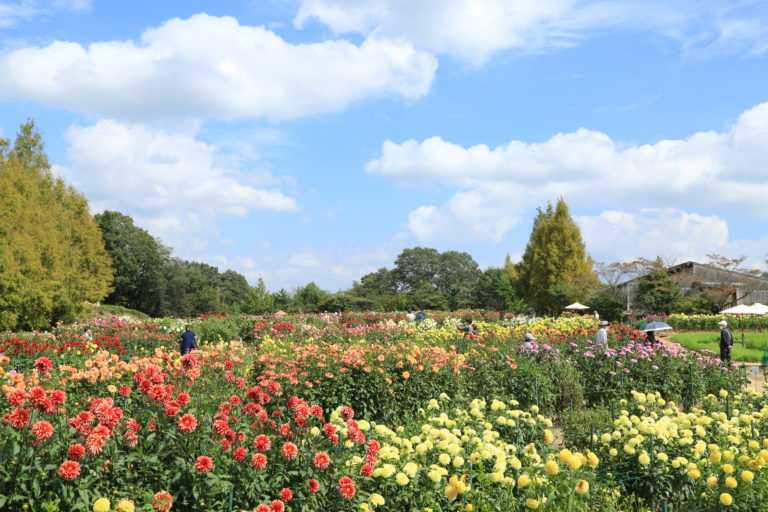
(304, 140)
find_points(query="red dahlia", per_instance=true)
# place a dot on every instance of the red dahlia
(69, 470)
(290, 451)
(42, 430)
(204, 464)
(76, 451)
(187, 423)
(259, 461)
(286, 494)
(321, 460)
(262, 443)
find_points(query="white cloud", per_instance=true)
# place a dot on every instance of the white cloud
(650, 232)
(12, 13)
(469, 29)
(473, 30)
(213, 67)
(304, 260)
(674, 234)
(173, 183)
(332, 269)
(724, 170)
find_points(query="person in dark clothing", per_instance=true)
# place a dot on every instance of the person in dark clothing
(420, 316)
(650, 338)
(726, 342)
(188, 341)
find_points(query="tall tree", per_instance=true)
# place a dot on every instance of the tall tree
(375, 285)
(282, 300)
(496, 291)
(309, 298)
(656, 291)
(233, 290)
(52, 257)
(416, 268)
(457, 279)
(555, 268)
(139, 262)
(259, 300)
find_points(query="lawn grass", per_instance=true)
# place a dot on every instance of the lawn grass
(751, 351)
(92, 311)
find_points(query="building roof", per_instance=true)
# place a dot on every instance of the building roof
(736, 276)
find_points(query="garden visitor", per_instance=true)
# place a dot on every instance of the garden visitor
(529, 341)
(410, 317)
(601, 338)
(420, 316)
(188, 341)
(468, 328)
(650, 338)
(726, 342)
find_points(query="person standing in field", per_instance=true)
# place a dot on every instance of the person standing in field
(726, 342)
(529, 341)
(188, 341)
(601, 338)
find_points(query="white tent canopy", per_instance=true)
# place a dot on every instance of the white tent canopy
(576, 307)
(759, 309)
(741, 309)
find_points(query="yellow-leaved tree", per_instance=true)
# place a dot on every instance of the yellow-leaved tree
(52, 256)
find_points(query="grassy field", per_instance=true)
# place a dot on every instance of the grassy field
(751, 351)
(93, 311)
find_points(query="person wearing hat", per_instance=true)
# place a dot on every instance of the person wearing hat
(726, 342)
(529, 341)
(601, 338)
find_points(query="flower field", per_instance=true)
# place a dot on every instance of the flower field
(371, 412)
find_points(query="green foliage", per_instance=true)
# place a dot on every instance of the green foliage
(496, 290)
(700, 303)
(555, 268)
(282, 300)
(215, 329)
(346, 302)
(138, 260)
(457, 279)
(258, 300)
(423, 278)
(52, 256)
(656, 291)
(309, 298)
(107, 310)
(148, 279)
(609, 303)
(579, 425)
(376, 286)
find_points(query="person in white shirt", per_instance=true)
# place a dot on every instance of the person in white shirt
(601, 338)
(529, 341)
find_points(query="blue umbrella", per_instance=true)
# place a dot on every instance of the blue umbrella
(656, 326)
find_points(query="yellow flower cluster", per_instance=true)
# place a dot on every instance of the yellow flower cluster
(716, 454)
(104, 505)
(480, 447)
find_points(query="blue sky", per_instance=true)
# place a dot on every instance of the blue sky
(302, 140)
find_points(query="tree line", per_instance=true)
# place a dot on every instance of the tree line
(55, 256)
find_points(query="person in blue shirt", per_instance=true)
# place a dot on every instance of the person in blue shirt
(188, 341)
